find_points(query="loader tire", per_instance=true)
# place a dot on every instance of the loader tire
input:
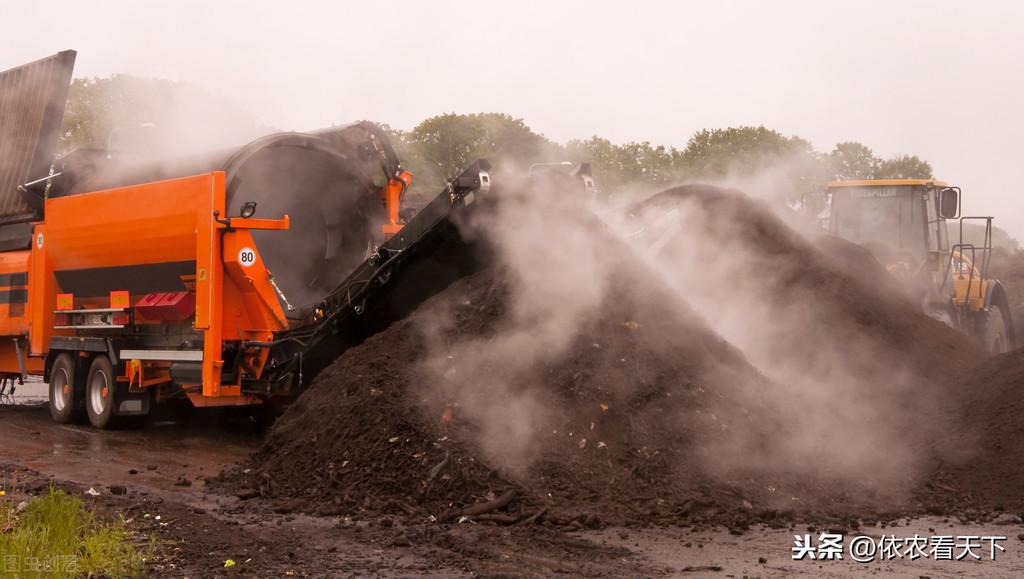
(65, 390)
(101, 393)
(993, 328)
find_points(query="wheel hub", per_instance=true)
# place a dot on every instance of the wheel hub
(98, 393)
(61, 390)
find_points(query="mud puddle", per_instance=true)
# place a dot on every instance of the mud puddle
(167, 457)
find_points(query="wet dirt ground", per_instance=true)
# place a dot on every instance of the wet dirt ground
(768, 552)
(33, 391)
(160, 456)
(154, 477)
(158, 470)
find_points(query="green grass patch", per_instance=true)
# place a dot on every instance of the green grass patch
(55, 535)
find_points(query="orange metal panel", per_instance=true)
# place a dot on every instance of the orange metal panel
(245, 268)
(885, 183)
(166, 222)
(210, 282)
(9, 359)
(14, 261)
(120, 299)
(14, 314)
(152, 223)
(65, 302)
(226, 400)
(42, 296)
(267, 224)
(392, 194)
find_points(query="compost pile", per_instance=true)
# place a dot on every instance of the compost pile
(865, 379)
(847, 297)
(645, 415)
(640, 392)
(1008, 267)
(979, 465)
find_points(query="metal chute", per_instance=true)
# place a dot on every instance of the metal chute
(32, 100)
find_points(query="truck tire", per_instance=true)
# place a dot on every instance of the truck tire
(994, 330)
(65, 390)
(101, 393)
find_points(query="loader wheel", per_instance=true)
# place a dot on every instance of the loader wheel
(65, 400)
(100, 391)
(993, 331)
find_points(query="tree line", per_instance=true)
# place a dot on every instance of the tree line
(439, 147)
(102, 111)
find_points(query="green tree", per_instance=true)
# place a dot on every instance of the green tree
(182, 118)
(427, 177)
(448, 143)
(974, 233)
(741, 150)
(148, 115)
(904, 167)
(617, 165)
(853, 160)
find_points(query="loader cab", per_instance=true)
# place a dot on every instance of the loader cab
(902, 221)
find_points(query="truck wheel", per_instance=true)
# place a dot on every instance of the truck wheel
(100, 393)
(993, 334)
(65, 400)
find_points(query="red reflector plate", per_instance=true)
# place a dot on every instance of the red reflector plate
(167, 306)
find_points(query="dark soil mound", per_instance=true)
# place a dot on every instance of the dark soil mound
(866, 381)
(836, 285)
(980, 460)
(623, 422)
(639, 393)
(644, 414)
(1008, 267)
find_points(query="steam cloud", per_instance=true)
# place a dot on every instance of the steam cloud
(558, 278)
(841, 405)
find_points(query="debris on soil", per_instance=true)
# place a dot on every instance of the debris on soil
(632, 410)
(980, 461)
(246, 494)
(698, 568)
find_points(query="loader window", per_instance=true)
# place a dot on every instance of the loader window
(937, 234)
(891, 217)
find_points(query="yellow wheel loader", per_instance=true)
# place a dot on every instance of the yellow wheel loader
(903, 222)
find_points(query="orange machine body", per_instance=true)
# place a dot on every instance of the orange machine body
(108, 251)
(392, 193)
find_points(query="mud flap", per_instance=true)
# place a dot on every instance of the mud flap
(133, 403)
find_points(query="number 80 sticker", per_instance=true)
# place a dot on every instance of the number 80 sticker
(246, 257)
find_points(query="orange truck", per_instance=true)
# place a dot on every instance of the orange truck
(126, 282)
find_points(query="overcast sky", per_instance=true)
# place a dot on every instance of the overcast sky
(942, 80)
